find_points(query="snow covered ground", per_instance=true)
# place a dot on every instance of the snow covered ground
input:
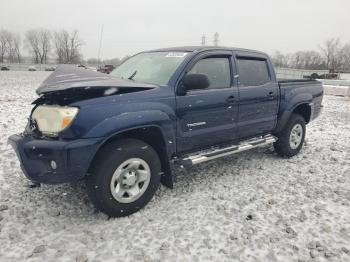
(254, 206)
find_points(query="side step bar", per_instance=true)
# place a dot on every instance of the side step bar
(204, 156)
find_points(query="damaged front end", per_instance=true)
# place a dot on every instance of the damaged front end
(54, 110)
(66, 97)
(68, 84)
(46, 154)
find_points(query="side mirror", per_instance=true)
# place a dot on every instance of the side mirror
(194, 81)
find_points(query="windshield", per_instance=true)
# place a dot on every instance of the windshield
(153, 67)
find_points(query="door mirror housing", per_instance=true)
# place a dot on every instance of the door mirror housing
(194, 81)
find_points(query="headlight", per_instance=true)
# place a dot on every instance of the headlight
(53, 119)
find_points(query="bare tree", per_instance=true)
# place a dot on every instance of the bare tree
(279, 59)
(59, 40)
(39, 43)
(75, 45)
(67, 47)
(300, 60)
(330, 50)
(45, 44)
(313, 60)
(4, 44)
(32, 42)
(297, 60)
(307, 60)
(345, 56)
(17, 47)
(10, 52)
(13, 50)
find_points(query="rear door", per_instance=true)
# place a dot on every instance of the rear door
(259, 93)
(208, 117)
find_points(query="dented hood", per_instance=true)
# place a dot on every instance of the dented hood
(67, 77)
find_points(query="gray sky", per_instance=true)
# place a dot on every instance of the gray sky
(135, 25)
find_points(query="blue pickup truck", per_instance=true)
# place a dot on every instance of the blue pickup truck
(122, 133)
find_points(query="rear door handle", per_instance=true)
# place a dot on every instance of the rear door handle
(231, 99)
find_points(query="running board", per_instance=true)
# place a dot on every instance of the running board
(204, 156)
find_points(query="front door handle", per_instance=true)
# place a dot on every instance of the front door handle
(231, 99)
(271, 95)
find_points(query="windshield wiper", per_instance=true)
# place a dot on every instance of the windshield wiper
(133, 75)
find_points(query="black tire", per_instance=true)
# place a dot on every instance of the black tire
(106, 163)
(282, 145)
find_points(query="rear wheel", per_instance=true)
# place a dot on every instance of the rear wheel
(124, 178)
(291, 138)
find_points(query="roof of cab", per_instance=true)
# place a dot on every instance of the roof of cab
(203, 48)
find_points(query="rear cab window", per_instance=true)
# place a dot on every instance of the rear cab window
(253, 71)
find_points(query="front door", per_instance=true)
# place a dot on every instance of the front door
(207, 117)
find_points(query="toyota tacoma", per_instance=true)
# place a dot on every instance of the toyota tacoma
(122, 133)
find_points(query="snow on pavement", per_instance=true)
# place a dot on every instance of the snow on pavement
(254, 206)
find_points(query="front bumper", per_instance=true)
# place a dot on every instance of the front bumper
(72, 158)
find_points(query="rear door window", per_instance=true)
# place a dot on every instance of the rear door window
(253, 72)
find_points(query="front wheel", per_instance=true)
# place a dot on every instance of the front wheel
(124, 178)
(291, 138)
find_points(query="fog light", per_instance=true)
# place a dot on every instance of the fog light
(53, 164)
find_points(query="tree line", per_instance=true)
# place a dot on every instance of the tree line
(332, 55)
(63, 46)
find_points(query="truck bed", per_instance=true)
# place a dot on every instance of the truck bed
(292, 90)
(283, 81)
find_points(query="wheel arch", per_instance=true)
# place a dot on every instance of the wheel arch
(152, 135)
(303, 109)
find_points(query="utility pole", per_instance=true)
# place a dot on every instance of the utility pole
(99, 48)
(204, 39)
(216, 39)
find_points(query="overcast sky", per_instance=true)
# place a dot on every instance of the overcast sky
(131, 26)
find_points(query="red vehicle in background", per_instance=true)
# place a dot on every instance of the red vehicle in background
(106, 69)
